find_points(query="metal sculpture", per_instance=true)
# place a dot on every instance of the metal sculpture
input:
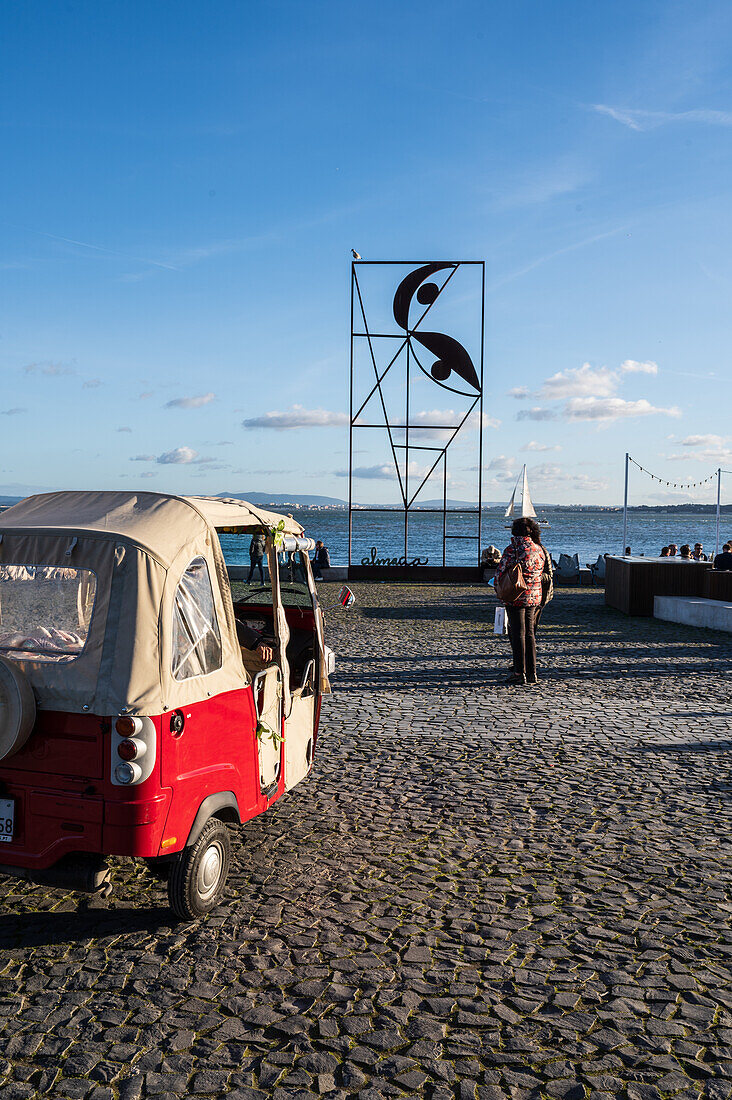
(440, 358)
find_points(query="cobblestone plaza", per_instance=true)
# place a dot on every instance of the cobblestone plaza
(481, 891)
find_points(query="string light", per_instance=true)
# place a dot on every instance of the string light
(675, 484)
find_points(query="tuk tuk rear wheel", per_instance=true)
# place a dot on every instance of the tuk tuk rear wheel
(196, 881)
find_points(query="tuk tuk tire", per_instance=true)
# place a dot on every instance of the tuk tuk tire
(196, 881)
(17, 708)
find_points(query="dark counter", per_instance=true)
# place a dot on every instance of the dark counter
(631, 583)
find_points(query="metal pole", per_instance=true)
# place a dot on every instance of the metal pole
(406, 461)
(480, 418)
(444, 508)
(719, 501)
(625, 506)
(350, 435)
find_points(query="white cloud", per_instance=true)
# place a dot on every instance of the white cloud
(710, 442)
(387, 472)
(709, 448)
(633, 366)
(51, 370)
(502, 468)
(372, 473)
(142, 458)
(91, 384)
(532, 445)
(612, 408)
(297, 417)
(149, 473)
(579, 382)
(537, 413)
(637, 119)
(427, 422)
(519, 392)
(190, 402)
(125, 429)
(549, 472)
(14, 411)
(179, 456)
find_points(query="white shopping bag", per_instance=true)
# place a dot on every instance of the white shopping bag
(500, 622)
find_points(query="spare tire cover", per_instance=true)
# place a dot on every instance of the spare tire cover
(17, 708)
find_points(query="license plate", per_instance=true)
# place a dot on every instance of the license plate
(7, 819)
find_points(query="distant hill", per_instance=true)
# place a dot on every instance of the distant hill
(285, 498)
(459, 503)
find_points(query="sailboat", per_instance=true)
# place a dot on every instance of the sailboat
(524, 506)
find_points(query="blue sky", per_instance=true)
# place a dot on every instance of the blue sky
(183, 183)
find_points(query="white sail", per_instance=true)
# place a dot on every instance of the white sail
(525, 506)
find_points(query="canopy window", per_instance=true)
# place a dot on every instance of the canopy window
(196, 635)
(45, 611)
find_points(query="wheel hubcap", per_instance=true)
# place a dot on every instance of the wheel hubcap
(209, 871)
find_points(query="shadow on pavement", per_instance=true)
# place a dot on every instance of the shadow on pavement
(46, 928)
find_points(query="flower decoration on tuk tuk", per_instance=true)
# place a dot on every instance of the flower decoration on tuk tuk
(272, 735)
(278, 534)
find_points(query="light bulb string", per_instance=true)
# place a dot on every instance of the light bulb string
(673, 484)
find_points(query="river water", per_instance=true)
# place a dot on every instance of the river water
(585, 533)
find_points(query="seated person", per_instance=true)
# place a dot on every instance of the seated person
(321, 560)
(255, 642)
(685, 552)
(724, 560)
(491, 556)
(664, 551)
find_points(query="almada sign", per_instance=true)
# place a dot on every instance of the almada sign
(373, 560)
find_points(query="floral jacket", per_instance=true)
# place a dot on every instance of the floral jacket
(531, 558)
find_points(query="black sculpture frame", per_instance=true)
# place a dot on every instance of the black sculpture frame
(439, 345)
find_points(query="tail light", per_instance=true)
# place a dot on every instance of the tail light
(128, 773)
(127, 726)
(131, 748)
(134, 750)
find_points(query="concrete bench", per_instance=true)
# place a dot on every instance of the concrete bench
(336, 573)
(693, 611)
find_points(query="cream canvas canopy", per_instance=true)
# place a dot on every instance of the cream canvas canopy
(138, 546)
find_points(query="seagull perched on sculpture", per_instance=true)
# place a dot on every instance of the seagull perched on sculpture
(355, 254)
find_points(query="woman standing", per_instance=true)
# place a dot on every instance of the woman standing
(525, 550)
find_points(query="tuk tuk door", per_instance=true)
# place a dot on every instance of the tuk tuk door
(268, 698)
(291, 590)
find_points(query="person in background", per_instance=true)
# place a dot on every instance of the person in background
(525, 550)
(256, 555)
(321, 560)
(685, 552)
(724, 560)
(698, 554)
(627, 551)
(664, 551)
(672, 549)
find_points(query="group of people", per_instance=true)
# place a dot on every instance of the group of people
(257, 550)
(685, 553)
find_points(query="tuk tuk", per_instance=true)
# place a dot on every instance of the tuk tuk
(132, 720)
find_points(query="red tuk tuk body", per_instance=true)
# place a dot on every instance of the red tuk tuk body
(132, 721)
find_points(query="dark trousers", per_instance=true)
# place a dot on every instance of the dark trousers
(255, 563)
(521, 621)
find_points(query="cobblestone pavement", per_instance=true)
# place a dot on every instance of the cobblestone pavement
(482, 891)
